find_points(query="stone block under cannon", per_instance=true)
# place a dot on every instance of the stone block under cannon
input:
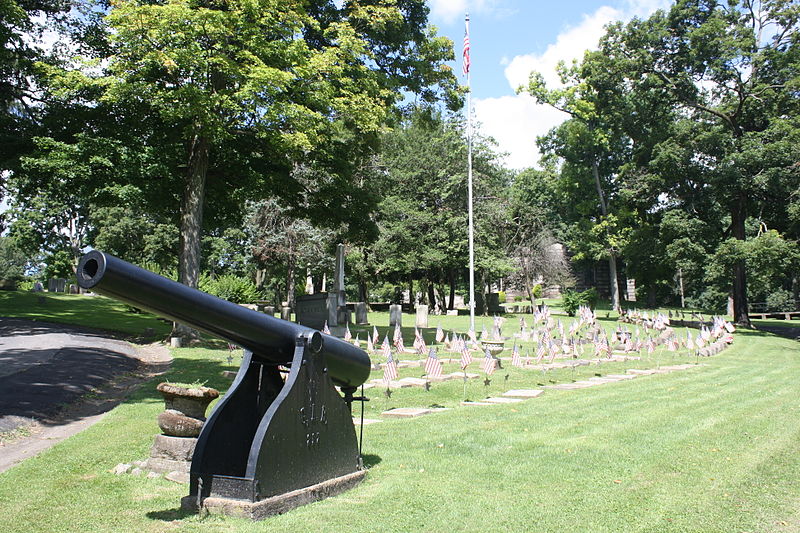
(271, 443)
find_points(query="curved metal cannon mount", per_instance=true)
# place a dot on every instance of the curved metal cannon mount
(270, 444)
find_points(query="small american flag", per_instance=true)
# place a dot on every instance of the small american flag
(439, 334)
(516, 360)
(489, 363)
(370, 344)
(390, 368)
(375, 337)
(398, 343)
(466, 357)
(419, 342)
(347, 335)
(433, 367)
(325, 328)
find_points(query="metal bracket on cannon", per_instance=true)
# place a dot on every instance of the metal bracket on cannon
(270, 445)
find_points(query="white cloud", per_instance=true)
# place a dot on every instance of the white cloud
(570, 44)
(515, 122)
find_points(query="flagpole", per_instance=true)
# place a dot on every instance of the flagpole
(469, 183)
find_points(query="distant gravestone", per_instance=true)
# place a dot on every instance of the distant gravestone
(61, 285)
(51, 285)
(38, 287)
(73, 289)
(268, 310)
(286, 313)
(361, 313)
(395, 315)
(311, 310)
(422, 316)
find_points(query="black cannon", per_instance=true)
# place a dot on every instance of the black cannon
(270, 443)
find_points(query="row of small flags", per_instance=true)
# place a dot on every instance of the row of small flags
(547, 342)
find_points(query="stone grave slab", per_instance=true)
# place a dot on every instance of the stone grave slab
(478, 403)
(678, 367)
(406, 412)
(639, 372)
(622, 376)
(414, 382)
(570, 386)
(523, 393)
(600, 380)
(502, 400)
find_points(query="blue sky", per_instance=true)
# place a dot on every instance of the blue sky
(509, 38)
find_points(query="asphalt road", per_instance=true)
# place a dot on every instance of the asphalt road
(44, 367)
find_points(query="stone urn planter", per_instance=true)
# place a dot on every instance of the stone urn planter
(185, 409)
(495, 347)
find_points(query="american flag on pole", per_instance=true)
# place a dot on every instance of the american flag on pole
(375, 337)
(466, 62)
(516, 360)
(326, 329)
(439, 334)
(489, 363)
(370, 344)
(398, 340)
(390, 368)
(419, 342)
(347, 335)
(466, 357)
(433, 367)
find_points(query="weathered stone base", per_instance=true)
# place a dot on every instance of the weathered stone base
(170, 454)
(276, 504)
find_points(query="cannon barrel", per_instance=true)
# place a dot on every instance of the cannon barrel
(270, 339)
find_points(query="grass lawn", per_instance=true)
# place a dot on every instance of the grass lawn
(712, 448)
(83, 310)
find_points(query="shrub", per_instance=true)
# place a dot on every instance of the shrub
(711, 300)
(571, 300)
(230, 287)
(501, 297)
(537, 291)
(780, 300)
(518, 298)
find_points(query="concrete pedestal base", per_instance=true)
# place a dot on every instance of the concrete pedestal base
(276, 504)
(171, 454)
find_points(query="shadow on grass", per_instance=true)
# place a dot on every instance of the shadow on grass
(169, 515)
(370, 460)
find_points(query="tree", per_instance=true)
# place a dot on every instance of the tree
(590, 144)
(422, 216)
(731, 69)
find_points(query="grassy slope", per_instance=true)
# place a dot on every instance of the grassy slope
(90, 311)
(714, 448)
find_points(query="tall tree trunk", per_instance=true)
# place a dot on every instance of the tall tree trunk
(363, 291)
(192, 220)
(290, 279)
(431, 296)
(614, 284)
(612, 257)
(651, 295)
(529, 290)
(740, 305)
(192, 212)
(451, 303)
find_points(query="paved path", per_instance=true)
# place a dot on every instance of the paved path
(45, 369)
